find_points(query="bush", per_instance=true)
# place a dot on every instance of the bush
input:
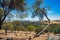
(22, 29)
(57, 29)
(38, 29)
(31, 28)
(8, 25)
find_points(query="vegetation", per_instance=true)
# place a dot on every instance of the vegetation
(6, 6)
(8, 25)
(16, 25)
(31, 28)
(37, 10)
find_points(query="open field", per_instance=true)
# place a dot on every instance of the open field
(23, 35)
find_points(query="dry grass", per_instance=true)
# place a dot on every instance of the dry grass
(23, 35)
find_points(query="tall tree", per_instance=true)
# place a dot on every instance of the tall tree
(40, 12)
(6, 6)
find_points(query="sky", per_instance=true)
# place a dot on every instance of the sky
(53, 13)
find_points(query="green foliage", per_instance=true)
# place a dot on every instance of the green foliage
(17, 25)
(1, 10)
(57, 29)
(13, 4)
(8, 25)
(38, 29)
(22, 29)
(31, 28)
(50, 29)
(54, 28)
(6, 6)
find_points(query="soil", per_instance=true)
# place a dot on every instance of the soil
(23, 35)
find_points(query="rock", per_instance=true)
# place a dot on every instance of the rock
(53, 38)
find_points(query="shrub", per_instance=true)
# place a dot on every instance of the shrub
(31, 28)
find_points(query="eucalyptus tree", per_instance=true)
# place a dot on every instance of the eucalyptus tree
(6, 6)
(40, 12)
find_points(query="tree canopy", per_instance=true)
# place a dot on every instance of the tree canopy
(6, 6)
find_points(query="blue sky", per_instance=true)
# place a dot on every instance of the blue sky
(53, 13)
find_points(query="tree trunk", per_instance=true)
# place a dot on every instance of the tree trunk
(2, 20)
(39, 33)
(43, 30)
(1, 25)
